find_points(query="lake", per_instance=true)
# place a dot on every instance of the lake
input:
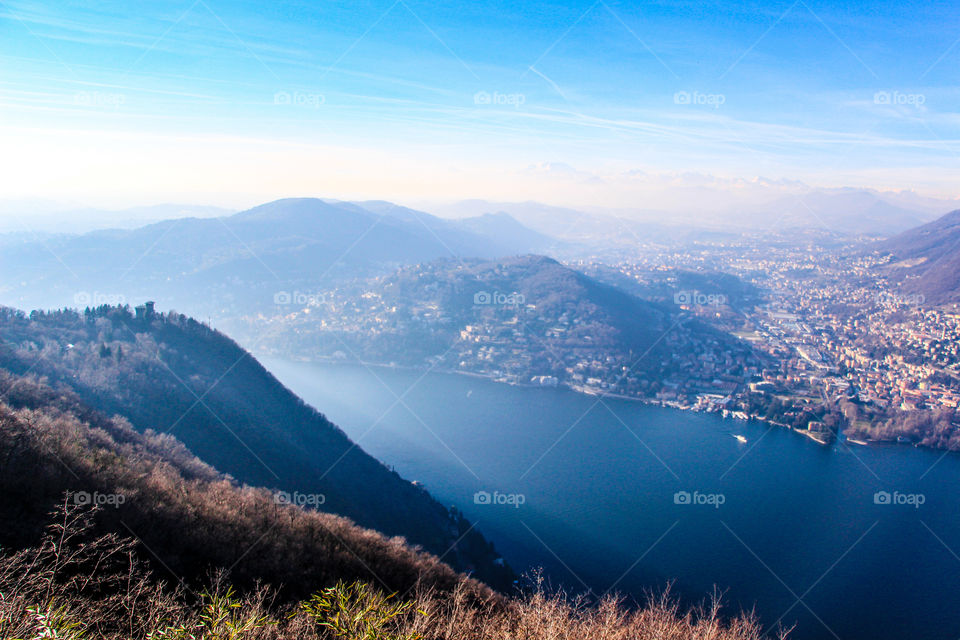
(844, 541)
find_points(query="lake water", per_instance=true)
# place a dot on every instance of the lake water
(597, 494)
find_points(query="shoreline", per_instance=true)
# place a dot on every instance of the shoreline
(590, 391)
(816, 436)
(581, 389)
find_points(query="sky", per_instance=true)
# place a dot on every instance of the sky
(599, 102)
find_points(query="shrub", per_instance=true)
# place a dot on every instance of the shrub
(354, 611)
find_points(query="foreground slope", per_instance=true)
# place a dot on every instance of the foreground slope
(171, 374)
(186, 517)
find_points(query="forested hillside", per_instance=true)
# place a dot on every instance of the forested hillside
(173, 375)
(186, 517)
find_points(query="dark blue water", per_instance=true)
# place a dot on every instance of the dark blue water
(798, 535)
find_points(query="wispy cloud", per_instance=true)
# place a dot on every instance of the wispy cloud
(789, 90)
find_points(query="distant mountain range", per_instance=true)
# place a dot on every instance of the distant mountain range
(218, 266)
(172, 375)
(514, 237)
(926, 260)
(583, 232)
(842, 211)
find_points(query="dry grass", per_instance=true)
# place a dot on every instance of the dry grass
(187, 518)
(74, 586)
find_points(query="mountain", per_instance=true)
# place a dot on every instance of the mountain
(840, 211)
(503, 234)
(693, 210)
(215, 266)
(580, 234)
(846, 211)
(926, 260)
(173, 375)
(557, 222)
(523, 319)
(509, 233)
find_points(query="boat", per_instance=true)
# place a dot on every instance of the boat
(741, 439)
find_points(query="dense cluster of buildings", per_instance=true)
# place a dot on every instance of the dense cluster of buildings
(682, 365)
(829, 329)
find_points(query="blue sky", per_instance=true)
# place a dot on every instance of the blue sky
(228, 102)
